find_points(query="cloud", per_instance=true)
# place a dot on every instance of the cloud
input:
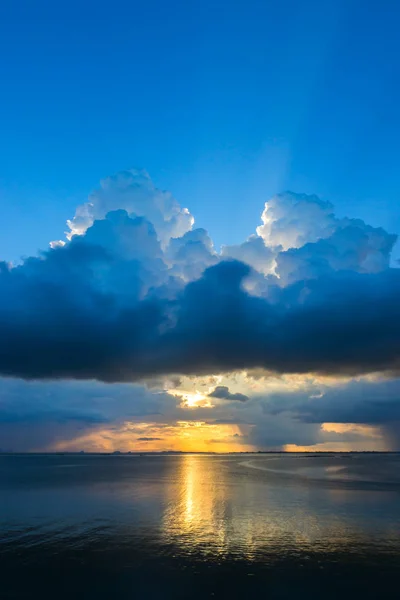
(36, 414)
(369, 402)
(134, 192)
(354, 246)
(189, 255)
(254, 253)
(374, 402)
(149, 439)
(138, 293)
(293, 220)
(222, 392)
(119, 413)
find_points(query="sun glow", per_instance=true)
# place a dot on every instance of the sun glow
(180, 436)
(196, 400)
(356, 428)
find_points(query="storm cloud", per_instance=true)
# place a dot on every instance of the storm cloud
(136, 292)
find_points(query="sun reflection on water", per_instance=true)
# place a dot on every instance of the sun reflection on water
(208, 513)
(200, 515)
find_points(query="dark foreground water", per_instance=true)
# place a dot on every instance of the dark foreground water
(196, 526)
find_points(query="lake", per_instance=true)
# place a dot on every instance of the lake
(200, 526)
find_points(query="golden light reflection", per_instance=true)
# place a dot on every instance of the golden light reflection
(200, 512)
(214, 510)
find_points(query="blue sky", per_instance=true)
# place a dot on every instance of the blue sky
(223, 103)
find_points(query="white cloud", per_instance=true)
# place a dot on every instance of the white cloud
(292, 220)
(133, 191)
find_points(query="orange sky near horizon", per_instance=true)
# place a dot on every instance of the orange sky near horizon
(183, 436)
(198, 436)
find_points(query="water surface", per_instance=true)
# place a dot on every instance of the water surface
(198, 526)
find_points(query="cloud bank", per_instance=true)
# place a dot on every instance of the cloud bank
(136, 291)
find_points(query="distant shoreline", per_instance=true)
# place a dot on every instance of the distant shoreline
(180, 453)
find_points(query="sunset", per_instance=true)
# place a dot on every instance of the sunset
(199, 300)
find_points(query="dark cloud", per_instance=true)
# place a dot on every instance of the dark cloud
(51, 416)
(82, 311)
(236, 420)
(363, 402)
(141, 294)
(375, 403)
(34, 415)
(222, 392)
(149, 439)
(341, 323)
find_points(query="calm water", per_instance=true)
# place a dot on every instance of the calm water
(196, 526)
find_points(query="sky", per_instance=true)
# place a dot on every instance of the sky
(251, 306)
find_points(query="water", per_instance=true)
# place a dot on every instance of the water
(197, 526)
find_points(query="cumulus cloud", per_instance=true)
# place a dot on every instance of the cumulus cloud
(292, 220)
(136, 293)
(133, 191)
(353, 246)
(189, 255)
(255, 253)
(222, 392)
